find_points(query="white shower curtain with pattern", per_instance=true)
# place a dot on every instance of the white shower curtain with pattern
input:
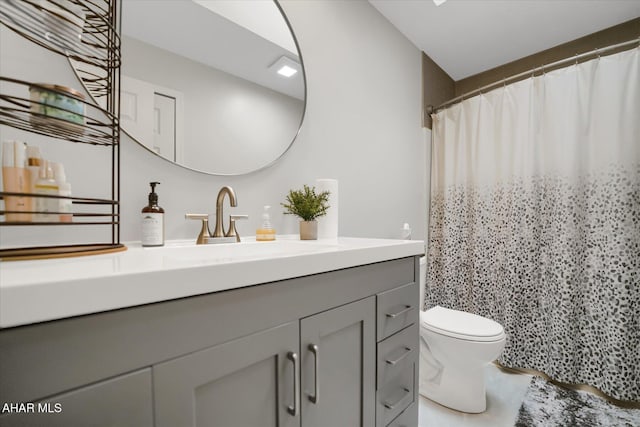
(535, 220)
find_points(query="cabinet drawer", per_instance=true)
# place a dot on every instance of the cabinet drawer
(397, 309)
(408, 418)
(396, 395)
(397, 354)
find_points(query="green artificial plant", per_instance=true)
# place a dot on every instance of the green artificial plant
(306, 204)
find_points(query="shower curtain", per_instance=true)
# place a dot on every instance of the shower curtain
(535, 220)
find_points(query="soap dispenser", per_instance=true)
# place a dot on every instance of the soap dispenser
(152, 220)
(266, 233)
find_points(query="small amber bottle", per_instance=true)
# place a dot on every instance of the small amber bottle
(152, 220)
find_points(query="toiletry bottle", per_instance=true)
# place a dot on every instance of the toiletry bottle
(406, 232)
(64, 190)
(15, 179)
(46, 184)
(152, 220)
(34, 162)
(266, 233)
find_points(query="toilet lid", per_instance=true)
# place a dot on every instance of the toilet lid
(459, 324)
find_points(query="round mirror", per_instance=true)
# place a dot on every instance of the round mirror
(215, 86)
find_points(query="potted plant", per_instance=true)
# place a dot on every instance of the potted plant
(307, 205)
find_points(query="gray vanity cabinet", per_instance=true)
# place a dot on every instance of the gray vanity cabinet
(336, 349)
(255, 380)
(244, 382)
(338, 366)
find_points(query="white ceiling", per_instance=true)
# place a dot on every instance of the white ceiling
(194, 30)
(466, 37)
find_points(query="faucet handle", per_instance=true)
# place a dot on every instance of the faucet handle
(203, 237)
(232, 226)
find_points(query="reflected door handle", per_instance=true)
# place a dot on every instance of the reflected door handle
(316, 392)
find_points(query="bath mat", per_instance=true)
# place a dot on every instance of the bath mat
(546, 404)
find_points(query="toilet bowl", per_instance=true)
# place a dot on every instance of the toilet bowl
(454, 349)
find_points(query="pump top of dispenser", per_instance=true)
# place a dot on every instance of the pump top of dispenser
(153, 196)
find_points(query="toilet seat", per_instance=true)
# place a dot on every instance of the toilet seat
(461, 325)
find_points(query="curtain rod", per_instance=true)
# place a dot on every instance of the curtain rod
(431, 109)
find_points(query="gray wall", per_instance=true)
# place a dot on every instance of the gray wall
(362, 127)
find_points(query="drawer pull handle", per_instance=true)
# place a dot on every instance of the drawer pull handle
(316, 392)
(293, 410)
(399, 313)
(405, 354)
(392, 406)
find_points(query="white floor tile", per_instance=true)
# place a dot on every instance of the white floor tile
(505, 392)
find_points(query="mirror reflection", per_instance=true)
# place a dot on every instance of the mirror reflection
(212, 85)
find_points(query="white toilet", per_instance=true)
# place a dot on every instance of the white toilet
(454, 349)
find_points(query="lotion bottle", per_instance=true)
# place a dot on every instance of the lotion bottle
(266, 233)
(15, 179)
(46, 184)
(34, 163)
(152, 220)
(64, 190)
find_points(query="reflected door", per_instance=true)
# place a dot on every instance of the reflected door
(164, 125)
(153, 114)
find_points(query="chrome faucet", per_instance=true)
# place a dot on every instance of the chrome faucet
(226, 190)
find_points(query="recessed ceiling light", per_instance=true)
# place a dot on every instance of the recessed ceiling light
(439, 2)
(287, 71)
(285, 66)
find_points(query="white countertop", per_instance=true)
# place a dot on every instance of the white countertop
(37, 291)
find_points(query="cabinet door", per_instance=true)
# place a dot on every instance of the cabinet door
(124, 401)
(248, 382)
(338, 350)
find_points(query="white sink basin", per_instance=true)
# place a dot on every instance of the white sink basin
(239, 252)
